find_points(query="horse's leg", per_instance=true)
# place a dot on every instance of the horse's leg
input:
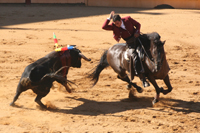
(158, 90)
(124, 77)
(167, 82)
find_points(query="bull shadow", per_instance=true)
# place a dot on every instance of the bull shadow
(94, 108)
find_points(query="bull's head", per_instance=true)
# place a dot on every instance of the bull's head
(76, 56)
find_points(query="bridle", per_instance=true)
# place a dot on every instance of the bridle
(151, 59)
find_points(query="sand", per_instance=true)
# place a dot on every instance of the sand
(26, 34)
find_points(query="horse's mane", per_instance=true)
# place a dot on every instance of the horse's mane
(153, 36)
(146, 39)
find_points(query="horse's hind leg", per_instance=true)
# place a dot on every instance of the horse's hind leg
(167, 82)
(126, 79)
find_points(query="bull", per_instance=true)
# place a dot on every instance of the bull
(40, 75)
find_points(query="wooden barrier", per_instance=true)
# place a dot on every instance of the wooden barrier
(179, 4)
(57, 1)
(182, 4)
(12, 1)
(42, 1)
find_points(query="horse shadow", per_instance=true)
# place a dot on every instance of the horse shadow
(95, 108)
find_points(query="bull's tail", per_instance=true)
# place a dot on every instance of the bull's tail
(103, 63)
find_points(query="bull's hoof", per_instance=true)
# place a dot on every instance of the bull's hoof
(154, 101)
(42, 107)
(12, 104)
(68, 89)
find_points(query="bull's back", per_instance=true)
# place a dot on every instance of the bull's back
(40, 67)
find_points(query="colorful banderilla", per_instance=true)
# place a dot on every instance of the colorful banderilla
(61, 48)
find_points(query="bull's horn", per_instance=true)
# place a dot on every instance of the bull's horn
(85, 58)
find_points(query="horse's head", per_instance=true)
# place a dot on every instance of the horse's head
(76, 56)
(157, 50)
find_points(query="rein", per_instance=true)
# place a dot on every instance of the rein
(151, 59)
(145, 51)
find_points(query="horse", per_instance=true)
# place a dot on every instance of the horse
(153, 59)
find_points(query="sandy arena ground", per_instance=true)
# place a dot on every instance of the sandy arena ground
(26, 34)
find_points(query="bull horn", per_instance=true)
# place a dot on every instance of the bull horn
(85, 58)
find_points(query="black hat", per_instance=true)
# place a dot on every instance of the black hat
(116, 18)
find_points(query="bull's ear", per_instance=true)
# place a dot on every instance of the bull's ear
(163, 42)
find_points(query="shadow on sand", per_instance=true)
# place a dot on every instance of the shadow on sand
(94, 108)
(13, 14)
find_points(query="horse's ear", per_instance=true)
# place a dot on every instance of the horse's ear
(163, 42)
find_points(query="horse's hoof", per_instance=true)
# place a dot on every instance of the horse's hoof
(155, 101)
(164, 91)
(146, 84)
(161, 89)
(128, 86)
(139, 90)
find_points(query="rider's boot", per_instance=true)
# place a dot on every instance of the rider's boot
(140, 72)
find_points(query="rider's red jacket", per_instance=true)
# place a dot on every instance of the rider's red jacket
(131, 25)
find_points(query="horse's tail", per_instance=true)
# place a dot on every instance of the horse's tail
(103, 63)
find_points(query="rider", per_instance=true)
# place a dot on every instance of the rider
(128, 29)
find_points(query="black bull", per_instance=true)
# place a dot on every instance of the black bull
(40, 75)
(154, 62)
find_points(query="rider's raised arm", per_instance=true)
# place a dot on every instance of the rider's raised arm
(106, 25)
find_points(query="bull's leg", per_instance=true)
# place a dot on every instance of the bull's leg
(60, 79)
(167, 82)
(38, 100)
(158, 90)
(41, 92)
(20, 89)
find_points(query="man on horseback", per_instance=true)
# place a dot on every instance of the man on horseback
(128, 29)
